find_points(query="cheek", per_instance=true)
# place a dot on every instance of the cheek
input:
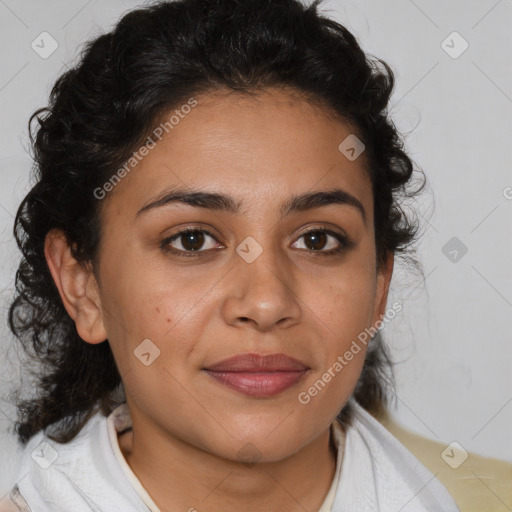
(344, 308)
(345, 304)
(142, 301)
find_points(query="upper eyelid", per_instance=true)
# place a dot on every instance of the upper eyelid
(189, 230)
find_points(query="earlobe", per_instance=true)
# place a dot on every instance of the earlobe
(78, 288)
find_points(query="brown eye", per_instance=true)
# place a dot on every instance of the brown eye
(192, 240)
(315, 240)
(323, 241)
(189, 241)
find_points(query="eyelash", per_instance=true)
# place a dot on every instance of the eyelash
(345, 243)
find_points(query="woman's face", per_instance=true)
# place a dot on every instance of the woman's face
(256, 282)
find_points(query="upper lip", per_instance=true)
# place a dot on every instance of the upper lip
(251, 362)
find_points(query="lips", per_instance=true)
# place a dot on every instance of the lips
(258, 363)
(258, 375)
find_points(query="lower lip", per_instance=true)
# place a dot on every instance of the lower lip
(258, 384)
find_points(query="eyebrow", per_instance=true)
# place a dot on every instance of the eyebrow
(227, 203)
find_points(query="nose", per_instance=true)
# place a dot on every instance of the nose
(261, 293)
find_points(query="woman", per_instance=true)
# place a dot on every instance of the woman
(207, 253)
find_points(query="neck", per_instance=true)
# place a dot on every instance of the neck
(179, 476)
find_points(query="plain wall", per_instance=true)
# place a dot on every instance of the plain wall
(453, 337)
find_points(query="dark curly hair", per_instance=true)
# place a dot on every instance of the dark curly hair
(101, 110)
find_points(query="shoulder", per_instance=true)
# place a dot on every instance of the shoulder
(82, 472)
(379, 473)
(43, 454)
(45, 465)
(474, 481)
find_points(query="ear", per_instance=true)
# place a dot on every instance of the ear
(78, 288)
(381, 293)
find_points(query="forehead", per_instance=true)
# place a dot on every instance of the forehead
(259, 148)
